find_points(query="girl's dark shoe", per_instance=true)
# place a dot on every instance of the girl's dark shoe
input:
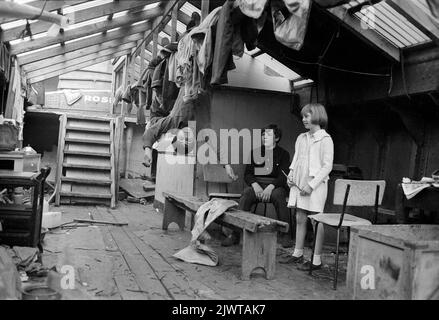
(305, 266)
(291, 260)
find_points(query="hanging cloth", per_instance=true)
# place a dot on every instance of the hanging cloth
(290, 21)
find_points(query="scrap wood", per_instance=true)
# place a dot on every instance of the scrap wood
(101, 222)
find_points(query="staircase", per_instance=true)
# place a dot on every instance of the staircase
(87, 160)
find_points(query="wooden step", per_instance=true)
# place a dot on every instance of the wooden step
(85, 129)
(86, 195)
(86, 181)
(91, 141)
(83, 166)
(90, 154)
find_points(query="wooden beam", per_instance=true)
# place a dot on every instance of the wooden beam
(174, 20)
(160, 23)
(81, 16)
(78, 60)
(51, 5)
(85, 31)
(417, 17)
(155, 43)
(420, 77)
(78, 67)
(123, 35)
(367, 35)
(77, 54)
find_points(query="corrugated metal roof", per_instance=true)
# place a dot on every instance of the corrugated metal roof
(390, 24)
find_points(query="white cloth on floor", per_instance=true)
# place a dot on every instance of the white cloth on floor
(197, 252)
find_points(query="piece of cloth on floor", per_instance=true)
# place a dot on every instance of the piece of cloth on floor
(206, 214)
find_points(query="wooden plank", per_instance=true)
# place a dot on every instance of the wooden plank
(367, 35)
(86, 195)
(145, 276)
(80, 16)
(174, 20)
(86, 181)
(114, 191)
(85, 31)
(160, 23)
(50, 5)
(205, 6)
(134, 187)
(86, 52)
(83, 166)
(89, 154)
(74, 128)
(77, 67)
(91, 141)
(60, 156)
(424, 22)
(67, 63)
(108, 40)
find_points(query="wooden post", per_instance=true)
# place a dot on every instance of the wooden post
(125, 82)
(128, 143)
(174, 24)
(205, 5)
(155, 41)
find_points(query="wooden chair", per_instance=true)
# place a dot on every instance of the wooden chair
(355, 193)
(216, 173)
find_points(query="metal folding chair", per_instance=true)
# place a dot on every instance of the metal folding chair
(352, 193)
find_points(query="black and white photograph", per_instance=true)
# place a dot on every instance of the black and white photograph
(222, 158)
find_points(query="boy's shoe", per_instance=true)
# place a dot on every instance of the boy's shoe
(291, 259)
(305, 266)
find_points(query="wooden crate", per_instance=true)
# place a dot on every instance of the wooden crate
(394, 262)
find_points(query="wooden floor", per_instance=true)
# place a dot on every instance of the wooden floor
(135, 262)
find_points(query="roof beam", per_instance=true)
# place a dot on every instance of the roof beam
(367, 35)
(123, 35)
(80, 59)
(85, 31)
(78, 53)
(160, 22)
(417, 17)
(70, 68)
(80, 16)
(51, 5)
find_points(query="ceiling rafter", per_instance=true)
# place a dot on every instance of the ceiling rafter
(79, 59)
(81, 16)
(51, 5)
(117, 36)
(160, 22)
(79, 66)
(85, 31)
(417, 17)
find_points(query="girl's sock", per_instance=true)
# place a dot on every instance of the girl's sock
(298, 253)
(317, 260)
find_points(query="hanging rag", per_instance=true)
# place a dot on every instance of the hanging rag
(252, 8)
(206, 214)
(412, 188)
(290, 21)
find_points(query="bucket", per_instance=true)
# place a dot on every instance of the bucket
(40, 292)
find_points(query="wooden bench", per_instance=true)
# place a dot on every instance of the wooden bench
(259, 233)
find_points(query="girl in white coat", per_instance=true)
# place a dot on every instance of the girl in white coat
(308, 179)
